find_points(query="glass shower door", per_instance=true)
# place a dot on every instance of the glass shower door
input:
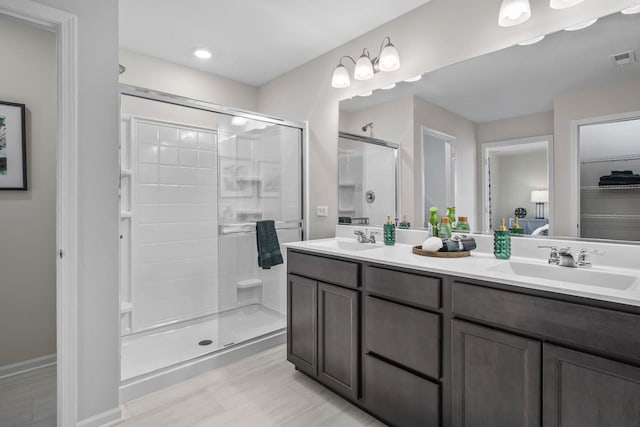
(260, 178)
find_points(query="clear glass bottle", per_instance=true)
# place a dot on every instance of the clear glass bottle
(389, 230)
(462, 225)
(444, 228)
(502, 242)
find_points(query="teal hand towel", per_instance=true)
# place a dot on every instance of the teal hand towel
(269, 253)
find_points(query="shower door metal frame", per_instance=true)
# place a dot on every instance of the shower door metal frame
(159, 96)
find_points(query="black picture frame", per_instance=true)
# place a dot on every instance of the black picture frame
(13, 146)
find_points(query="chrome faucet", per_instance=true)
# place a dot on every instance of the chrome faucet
(362, 238)
(564, 258)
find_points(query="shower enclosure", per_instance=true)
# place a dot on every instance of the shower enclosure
(195, 178)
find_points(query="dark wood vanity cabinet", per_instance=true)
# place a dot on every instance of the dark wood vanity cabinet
(324, 321)
(421, 349)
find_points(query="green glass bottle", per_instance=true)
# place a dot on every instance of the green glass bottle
(502, 242)
(389, 230)
(451, 214)
(433, 220)
(404, 224)
(444, 228)
(462, 225)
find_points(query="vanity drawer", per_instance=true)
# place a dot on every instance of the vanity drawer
(335, 271)
(399, 397)
(610, 331)
(405, 335)
(413, 288)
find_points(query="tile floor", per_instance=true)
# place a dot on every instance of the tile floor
(29, 399)
(261, 390)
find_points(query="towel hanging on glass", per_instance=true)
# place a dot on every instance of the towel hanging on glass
(269, 253)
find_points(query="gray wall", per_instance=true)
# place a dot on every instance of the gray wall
(28, 218)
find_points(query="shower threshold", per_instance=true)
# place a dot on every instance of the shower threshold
(156, 350)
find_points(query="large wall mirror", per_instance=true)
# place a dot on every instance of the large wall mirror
(518, 120)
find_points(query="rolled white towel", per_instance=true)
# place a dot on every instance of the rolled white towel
(432, 244)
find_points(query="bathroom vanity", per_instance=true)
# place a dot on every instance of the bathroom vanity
(442, 342)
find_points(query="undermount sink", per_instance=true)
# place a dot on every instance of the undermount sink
(345, 245)
(581, 276)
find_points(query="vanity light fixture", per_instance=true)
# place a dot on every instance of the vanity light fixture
(563, 4)
(531, 41)
(365, 67)
(413, 79)
(581, 25)
(202, 53)
(514, 12)
(631, 10)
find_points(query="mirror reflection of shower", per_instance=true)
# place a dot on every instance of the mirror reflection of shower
(367, 179)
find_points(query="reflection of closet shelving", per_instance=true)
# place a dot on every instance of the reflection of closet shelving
(612, 159)
(622, 217)
(610, 187)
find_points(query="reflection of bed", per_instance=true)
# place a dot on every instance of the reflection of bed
(529, 225)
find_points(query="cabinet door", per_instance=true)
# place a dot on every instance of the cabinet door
(338, 311)
(581, 390)
(302, 323)
(496, 378)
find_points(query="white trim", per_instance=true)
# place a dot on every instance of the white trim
(487, 146)
(574, 157)
(27, 366)
(104, 419)
(421, 216)
(65, 26)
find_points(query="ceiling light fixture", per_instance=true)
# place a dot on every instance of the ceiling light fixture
(238, 121)
(514, 12)
(368, 93)
(365, 67)
(202, 53)
(563, 4)
(631, 10)
(531, 41)
(581, 25)
(387, 87)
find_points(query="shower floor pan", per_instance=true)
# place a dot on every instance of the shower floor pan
(152, 351)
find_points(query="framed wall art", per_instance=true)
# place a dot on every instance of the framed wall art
(13, 147)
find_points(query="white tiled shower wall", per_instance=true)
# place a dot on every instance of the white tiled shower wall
(175, 247)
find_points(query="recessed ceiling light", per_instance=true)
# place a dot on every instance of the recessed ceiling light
(631, 10)
(531, 41)
(413, 79)
(366, 93)
(238, 121)
(581, 25)
(387, 87)
(202, 53)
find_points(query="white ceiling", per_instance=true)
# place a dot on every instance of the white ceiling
(253, 41)
(523, 80)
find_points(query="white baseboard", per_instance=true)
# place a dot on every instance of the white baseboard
(104, 419)
(27, 365)
(140, 386)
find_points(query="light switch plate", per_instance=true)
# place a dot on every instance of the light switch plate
(322, 210)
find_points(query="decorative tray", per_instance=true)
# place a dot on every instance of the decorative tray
(418, 251)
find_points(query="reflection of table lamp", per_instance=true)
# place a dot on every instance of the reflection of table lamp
(539, 197)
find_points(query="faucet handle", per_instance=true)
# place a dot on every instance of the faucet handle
(583, 256)
(358, 233)
(554, 257)
(565, 251)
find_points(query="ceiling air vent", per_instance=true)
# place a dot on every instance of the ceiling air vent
(624, 58)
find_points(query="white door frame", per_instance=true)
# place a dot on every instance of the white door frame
(421, 215)
(65, 26)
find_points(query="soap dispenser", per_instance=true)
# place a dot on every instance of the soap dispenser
(404, 224)
(389, 232)
(502, 242)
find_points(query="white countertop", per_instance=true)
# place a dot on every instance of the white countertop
(481, 265)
